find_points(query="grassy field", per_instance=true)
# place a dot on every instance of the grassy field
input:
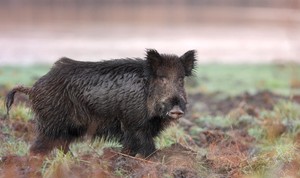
(229, 79)
(243, 121)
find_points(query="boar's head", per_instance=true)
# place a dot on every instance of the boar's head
(166, 96)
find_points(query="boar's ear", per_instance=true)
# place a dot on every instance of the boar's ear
(153, 58)
(188, 60)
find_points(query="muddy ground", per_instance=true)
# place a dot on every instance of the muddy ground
(228, 150)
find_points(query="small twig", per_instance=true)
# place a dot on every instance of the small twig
(93, 149)
(151, 154)
(140, 159)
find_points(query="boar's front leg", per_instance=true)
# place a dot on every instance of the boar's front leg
(43, 145)
(138, 141)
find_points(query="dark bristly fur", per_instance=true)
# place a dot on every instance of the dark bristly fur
(132, 100)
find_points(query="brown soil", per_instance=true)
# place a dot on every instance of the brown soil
(227, 150)
(251, 103)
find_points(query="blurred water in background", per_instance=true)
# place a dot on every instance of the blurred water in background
(222, 31)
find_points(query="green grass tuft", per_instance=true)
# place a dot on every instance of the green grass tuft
(21, 112)
(288, 110)
(257, 132)
(13, 146)
(283, 149)
(171, 135)
(93, 147)
(258, 166)
(59, 166)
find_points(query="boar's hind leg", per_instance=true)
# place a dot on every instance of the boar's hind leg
(138, 142)
(43, 145)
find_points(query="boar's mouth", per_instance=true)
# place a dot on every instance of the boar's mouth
(175, 113)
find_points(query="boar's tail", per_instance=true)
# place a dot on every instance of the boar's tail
(9, 100)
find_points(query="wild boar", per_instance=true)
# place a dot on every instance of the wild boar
(131, 100)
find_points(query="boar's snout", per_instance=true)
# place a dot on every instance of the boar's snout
(175, 112)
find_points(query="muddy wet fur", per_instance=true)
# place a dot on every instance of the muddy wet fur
(131, 100)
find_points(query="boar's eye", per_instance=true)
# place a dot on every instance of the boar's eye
(162, 79)
(181, 81)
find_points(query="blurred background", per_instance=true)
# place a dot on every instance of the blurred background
(222, 31)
